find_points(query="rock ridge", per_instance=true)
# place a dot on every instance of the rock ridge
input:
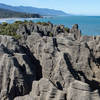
(49, 62)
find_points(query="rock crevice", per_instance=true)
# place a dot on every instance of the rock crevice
(49, 63)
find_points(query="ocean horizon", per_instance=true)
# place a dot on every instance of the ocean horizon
(89, 25)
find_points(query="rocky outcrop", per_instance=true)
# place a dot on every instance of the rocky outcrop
(64, 66)
(44, 29)
(64, 60)
(43, 90)
(17, 69)
(81, 91)
(75, 30)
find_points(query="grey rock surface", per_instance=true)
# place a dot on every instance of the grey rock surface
(65, 66)
(43, 90)
(81, 91)
(43, 29)
(17, 69)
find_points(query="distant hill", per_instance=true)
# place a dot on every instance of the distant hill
(5, 13)
(28, 9)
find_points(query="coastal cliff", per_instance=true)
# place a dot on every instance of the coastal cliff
(49, 62)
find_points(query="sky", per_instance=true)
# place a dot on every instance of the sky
(78, 7)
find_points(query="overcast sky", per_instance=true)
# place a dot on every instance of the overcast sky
(83, 7)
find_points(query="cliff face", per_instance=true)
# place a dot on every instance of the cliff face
(45, 66)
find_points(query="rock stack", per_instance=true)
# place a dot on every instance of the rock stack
(64, 66)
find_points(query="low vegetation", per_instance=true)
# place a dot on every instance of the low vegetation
(10, 29)
(66, 29)
(43, 23)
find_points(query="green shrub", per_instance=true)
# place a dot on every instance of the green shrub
(25, 21)
(10, 29)
(18, 22)
(39, 23)
(30, 21)
(66, 29)
(43, 23)
(51, 34)
(4, 24)
(17, 36)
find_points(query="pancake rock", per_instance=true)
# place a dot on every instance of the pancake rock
(43, 66)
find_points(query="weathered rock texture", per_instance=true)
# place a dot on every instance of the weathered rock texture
(64, 66)
(18, 69)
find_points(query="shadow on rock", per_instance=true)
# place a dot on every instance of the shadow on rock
(38, 67)
(22, 83)
(70, 67)
(94, 85)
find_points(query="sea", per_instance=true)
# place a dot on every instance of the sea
(89, 25)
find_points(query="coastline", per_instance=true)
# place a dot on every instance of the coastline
(16, 19)
(87, 25)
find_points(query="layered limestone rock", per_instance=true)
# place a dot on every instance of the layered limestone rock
(81, 91)
(43, 90)
(74, 59)
(64, 66)
(17, 69)
(43, 29)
